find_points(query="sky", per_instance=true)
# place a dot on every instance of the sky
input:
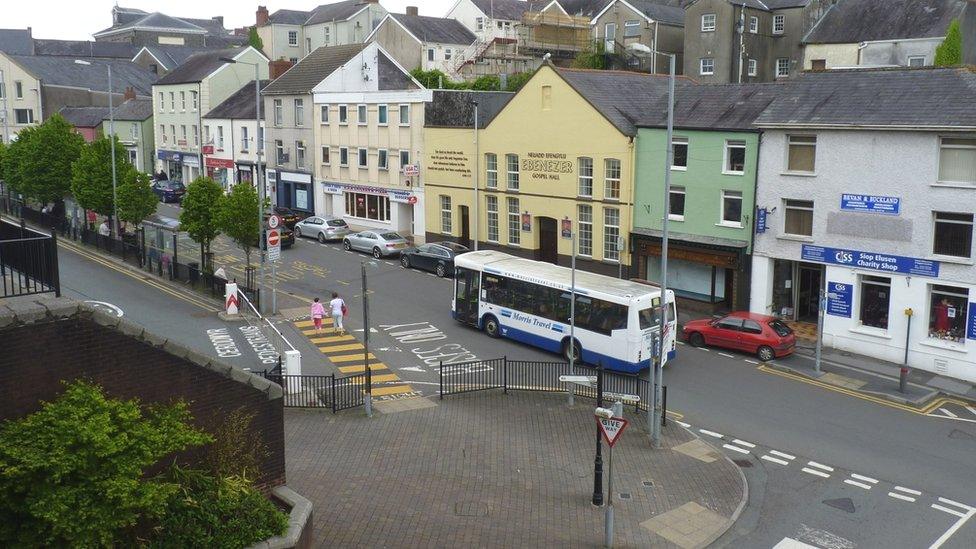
(78, 19)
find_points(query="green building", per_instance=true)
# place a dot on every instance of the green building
(134, 128)
(712, 198)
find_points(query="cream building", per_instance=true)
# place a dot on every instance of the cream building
(232, 139)
(293, 34)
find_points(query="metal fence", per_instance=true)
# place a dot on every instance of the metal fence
(28, 261)
(316, 391)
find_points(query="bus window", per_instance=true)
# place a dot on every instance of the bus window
(648, 318)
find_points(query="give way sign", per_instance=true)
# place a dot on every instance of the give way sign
(611, 427)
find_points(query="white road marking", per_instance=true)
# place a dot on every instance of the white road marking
(743, 443)
(947, 412)
(908, 490)
(681, 343)
(815, 472)
(896, 495)
(864, 478)
(781, 454)
(710, 433)
(823, 538)
(959, 514)
(683, 424)
(856, 483)
(347, 251)
(952, 529)
(750, 361)
(971, 409)
(776, 460)
(727, 355)
(735, 448)
(704, 349)
(820, 466)
(957, 504)
(431, 274)
(790, 543)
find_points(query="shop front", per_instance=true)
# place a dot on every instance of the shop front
(293, 190)
(191, 167)
(171, 163)
(220, 170)
(366, 206)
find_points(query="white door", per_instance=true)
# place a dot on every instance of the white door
(610, 34)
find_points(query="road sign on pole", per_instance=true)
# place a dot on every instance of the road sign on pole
(274, 221)
(611, 427)
(588, 381)
(274, 244)
(621, 396)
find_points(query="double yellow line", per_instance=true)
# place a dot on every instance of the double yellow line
(189, 298)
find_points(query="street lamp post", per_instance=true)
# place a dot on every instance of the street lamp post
(477, 172)
(3, 88)
(111, 131)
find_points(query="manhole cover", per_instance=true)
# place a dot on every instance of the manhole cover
(470, 509)
(844, 504)
(624, 495)
(742, 463)
(648, 483)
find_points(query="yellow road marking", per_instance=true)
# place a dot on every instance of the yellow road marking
(350, 358)
(306, 323)
(359, 368)
(331, 339)
(381, 378)
(342, 348)
(396, 390)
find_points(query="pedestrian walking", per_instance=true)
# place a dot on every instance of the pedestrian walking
(103, 229)
(317, 312)
(338, 309)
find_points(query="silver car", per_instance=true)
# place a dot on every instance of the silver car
(322, 228)
(378, 243)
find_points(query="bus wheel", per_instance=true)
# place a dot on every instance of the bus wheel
(576, 350)
(491, 327)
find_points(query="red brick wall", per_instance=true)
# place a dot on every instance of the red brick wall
(35, 358)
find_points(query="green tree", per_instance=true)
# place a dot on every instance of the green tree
(201, 209)
(3, 154)
(40, 159)
(73, 473)
(437, 80)
(237, 217)
(137, 200)
(593, 57)
(517, 80)
(91, 174)
(949, 52)
(488, 82)
(254, 39)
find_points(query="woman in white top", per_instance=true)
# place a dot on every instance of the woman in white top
(337, 306)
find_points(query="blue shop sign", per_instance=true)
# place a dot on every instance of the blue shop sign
(168, 155)
(839, 299)
(971, 322)
(761, 214)
(870, 260)
(888, 205)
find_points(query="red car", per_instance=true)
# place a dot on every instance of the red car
(765, 336)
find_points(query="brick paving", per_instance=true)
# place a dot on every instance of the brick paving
(488, 469)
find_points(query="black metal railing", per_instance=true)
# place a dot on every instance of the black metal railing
(28, 261)
(320, 391)
(348, 392)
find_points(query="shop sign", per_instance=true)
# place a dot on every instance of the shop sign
(331, 188)
(888, 205)
(219, 162)
(870, 260)
(411, 170)
(168, 155)
(761, 214)
(191, 160)
(526, 222)
(208, 149)
(971, 322)
(402, 197)
(839, 299)
(567, 228)
(547, 165)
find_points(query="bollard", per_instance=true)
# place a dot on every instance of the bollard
(902, 379)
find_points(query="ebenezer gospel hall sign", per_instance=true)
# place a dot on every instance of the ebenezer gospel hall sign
(547, 165)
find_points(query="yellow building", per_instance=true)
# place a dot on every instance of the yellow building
(558, 157)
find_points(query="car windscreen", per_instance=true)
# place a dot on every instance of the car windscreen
(780, 328)
(336, 223)
(391, 236)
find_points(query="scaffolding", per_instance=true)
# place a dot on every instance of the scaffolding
(558, 34)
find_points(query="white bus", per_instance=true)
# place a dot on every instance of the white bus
(529, 301)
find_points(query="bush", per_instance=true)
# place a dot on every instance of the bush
(949, 52)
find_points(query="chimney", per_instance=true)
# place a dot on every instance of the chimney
(412, 10)
(261, 17)
(277, 68)
(130, 93)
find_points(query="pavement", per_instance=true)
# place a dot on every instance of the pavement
(516, 470)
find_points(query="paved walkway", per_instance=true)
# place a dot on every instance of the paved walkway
(488, 469)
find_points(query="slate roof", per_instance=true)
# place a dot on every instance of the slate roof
(714, 106)
(853, 21)
(783, 4)
(510, 10)
(238, 106)
(312, 69)
(338, 11)
(622, 97)
(155, 20)
(289, 17)
(586, 8)
(84, 117)
(198, 66)
(133, 109)
(16, 41)
(84, 48)
(174, 56)
(392, 77)
(939, 97)
(63, 71)
(453, 108)
(660, 12)
(435, 29)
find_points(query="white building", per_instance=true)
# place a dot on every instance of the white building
(868, 191)
(430, 43)
(232, 140)
(293, 34)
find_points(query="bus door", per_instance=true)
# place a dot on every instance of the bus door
(466, 287)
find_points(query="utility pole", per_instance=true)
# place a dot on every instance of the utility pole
(572, 319)
(477, 173)
(368, 398)
(3, 88)
(598, 460)
(821, 305)
(111, 131)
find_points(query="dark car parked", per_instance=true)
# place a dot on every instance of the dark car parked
(169, 191)
(287, 236)
(437, 257)
(288, 216)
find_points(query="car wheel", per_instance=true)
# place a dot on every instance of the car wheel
(572, 351)
(441, 270)
(404, 262)
(346, 245)
(322, 238)
(765, 353)
(298, 231)
(696, 340)
(491, 327)
(376, 253)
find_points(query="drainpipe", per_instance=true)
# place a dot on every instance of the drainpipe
(654, 47)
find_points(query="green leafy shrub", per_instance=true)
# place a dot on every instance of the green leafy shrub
(949, 52)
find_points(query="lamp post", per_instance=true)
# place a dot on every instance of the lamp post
(477, 173)
(111, 131)
(3, 88)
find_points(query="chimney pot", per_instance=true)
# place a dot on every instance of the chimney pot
(130, 93)
(261, 17)
(412, 10)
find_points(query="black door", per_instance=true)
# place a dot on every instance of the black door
(465, 237)
(466, 286)
(548, 239)
(808, 293)
(285, 195)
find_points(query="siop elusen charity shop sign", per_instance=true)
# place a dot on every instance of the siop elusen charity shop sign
(870, 260)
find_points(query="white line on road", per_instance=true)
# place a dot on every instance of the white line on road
(864, 478)
(971, 409)
(959, 514)
(815, 472)
(908, 490)
(957, 504)
(735, 448)
(681, 343)
(347, 251)
(782, 455)
(431, 274)
(683, 424)
(704, 349)
(710, 433)
(743, 443)
(776, 460)
(727, 355)
(901, 497)
(856, 483)
(947, 412)
(750, 361)
(820, 466)
(952, 530)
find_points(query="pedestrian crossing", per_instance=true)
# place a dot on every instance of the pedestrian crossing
(346, 353)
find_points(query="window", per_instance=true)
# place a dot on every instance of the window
(779, 24)
(382, 159)
(754, 25)
(584, 240)
(183, 101)
(383, 115)
(162, 103)
(753, 67)
(172, 101)
(798, 217)
(818, 65)
(308, 46)
(916, 60)
(707, 66)
(491, 170)
(182, 134)
(957, 160)
(196, 135)
(953, 234)
(368, 206)
(278, 113)
(162, 132)
(133, 156)
(172, 131)
(343, 156)
(514, 222)
(445, 214)
(292, 38)
(751, 326)
(447, 54)
(206, 135)
(480, 24)
(324, 114)
(491, 205)
(326, 35)
(404, 115)
(326, 158)
(708, 22)
(875, 298)
(299, 112)
(361, 116)
(220, 137)
(679, 153)
(782, 67)
(735, 157)
(732, 208)
(279, 152)
(404, 159)
(676, 204)
(362, 157)
(611, 174)
(3, 91)
(24, 116)
(300, 154)
(430, 54)
(512, 163)
(611, 232)
(194, 100)
(947, 312)
(730, 323)
(293, 60)
(343, 114)
(19, 90)
(632, 28)
(245, 139)
(585, 176)
(801, 153)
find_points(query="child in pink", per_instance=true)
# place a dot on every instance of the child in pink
(317, 312)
